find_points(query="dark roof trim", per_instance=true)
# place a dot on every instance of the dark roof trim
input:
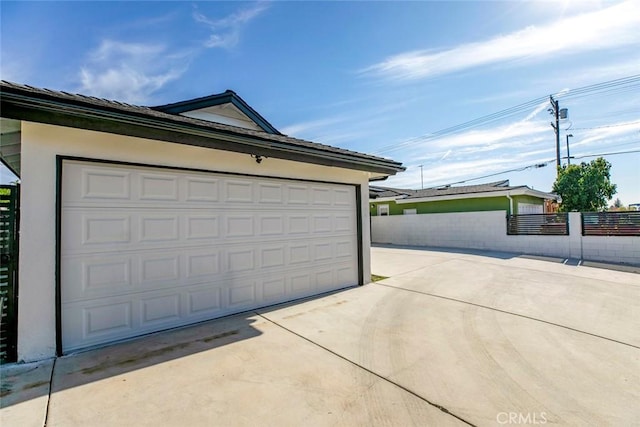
(58, 108)
(406, 195)
(228, 97)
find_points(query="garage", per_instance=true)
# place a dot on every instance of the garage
(136, 219)
(145, 249)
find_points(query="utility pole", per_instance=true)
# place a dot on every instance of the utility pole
(558, 114)
(421, 179)
(555, 110)
(568, 155)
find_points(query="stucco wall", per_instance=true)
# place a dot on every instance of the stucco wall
(40, 146)
(487, 230)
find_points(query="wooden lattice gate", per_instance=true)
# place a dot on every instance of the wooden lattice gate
(9, 229)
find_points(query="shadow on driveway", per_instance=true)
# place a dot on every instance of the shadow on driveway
(31, 382)
(23, 382)
(481, 252)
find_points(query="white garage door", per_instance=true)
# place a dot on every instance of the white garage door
(145, 249)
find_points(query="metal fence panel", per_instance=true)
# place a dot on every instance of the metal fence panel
(555, 224)
(611, 223)
(9, 225)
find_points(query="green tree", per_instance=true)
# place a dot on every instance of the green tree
(585, 187)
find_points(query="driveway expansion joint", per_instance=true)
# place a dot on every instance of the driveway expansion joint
(46, 412)
(524, 316)
(388, 380)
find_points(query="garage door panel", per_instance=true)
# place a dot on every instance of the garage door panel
(242, 293)
(300, 284)
(272, 256)
(321, 196)
(158, 228)
(205, 301)
(160, 309)
(100, 183)
(202, 227)
(345, 274)
(343, 198)
(274, 288)
(97, 276)
(239, 225)
(102, 229)
(202, 264)
(271, 224)
(298, 224)
(238, 191)
(297, 194)
(201, 190)
(146, 249)
(299, 253)
(322, 223)
(156, 187)
(98, 322)
(158, 268)
(240, 260)
(270, 193)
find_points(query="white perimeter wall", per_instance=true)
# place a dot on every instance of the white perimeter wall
(488, 230)
(40, 146)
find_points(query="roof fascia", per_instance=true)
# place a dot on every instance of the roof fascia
(502, 193)
(55, 112)
(228, 97)
(384, 199)
(541, 194)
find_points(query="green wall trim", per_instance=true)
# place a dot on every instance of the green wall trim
(480, 204)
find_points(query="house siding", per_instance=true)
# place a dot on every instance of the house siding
(444, 206)
(480, 204)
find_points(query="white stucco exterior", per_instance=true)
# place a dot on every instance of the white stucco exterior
(488, 231)
(40, 146)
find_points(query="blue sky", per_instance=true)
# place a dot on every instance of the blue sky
(376, 77)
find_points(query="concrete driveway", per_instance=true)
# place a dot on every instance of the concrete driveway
(450, 338)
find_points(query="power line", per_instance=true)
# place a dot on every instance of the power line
(520, 169)
(607, 126)
(606, 154)
(623, 84)
(535, 165)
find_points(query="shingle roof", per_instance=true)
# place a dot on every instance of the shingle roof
(463, 189)
(376, 192)
(20, 100)
(447, 190)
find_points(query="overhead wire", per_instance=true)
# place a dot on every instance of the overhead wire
(617, 86)
(536, 166)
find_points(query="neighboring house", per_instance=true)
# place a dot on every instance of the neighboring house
(469, 198)
(137, 219)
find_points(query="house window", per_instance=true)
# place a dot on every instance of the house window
(529, 208)
(383, 210)
(409, 211)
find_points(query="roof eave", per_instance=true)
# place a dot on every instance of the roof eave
(58, 112)
(501, 193)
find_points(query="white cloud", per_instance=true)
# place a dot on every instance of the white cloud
(608, 28)
(129, 72)
(298, 129)
(613, 134)
(225, 32)
(467, 156)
